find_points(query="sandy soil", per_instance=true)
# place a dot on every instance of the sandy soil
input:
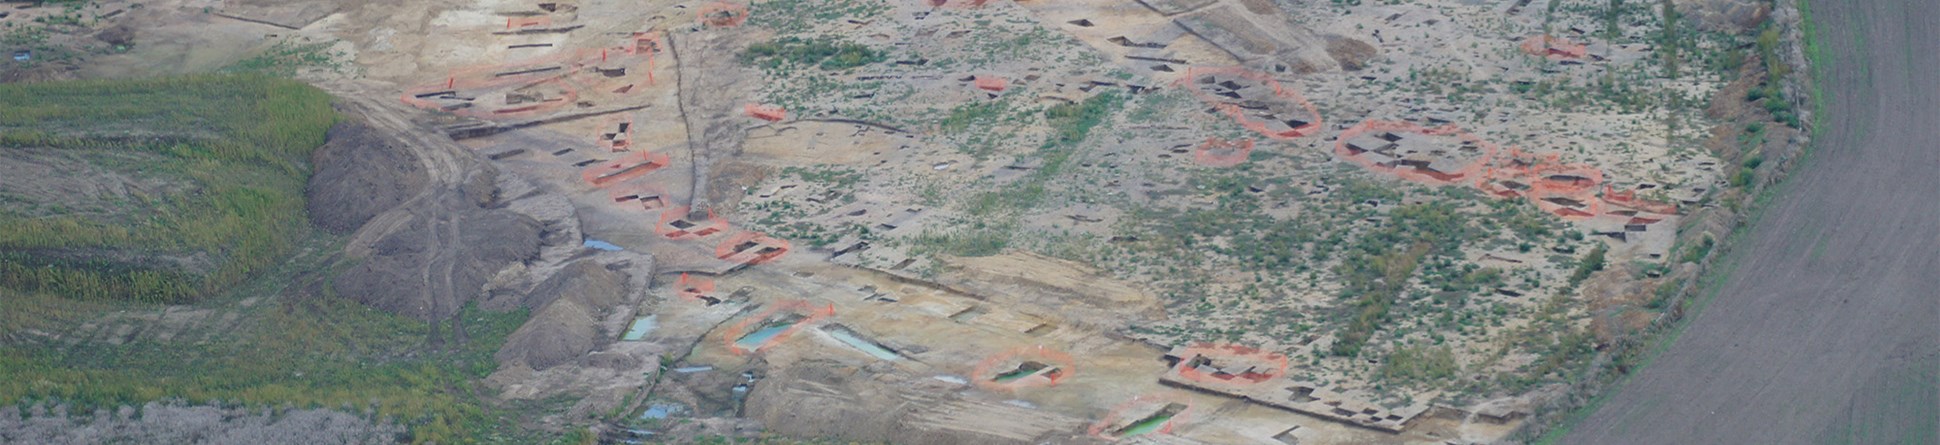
(1828, 330)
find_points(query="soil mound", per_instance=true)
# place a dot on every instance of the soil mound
(359, 174)
(1352, 54)
(440, 259)
(565, 323)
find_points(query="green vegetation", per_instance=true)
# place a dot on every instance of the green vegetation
(1377, 269)
(1775, 72)
(232, 153)
(286, 58)
(238, 145)
(825, 53)
(1590, 264)
(1070, 124)
(996, 212)
(1419, 364)
(789, 17)
(298, 349)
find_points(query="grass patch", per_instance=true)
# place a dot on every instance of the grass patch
(240, 143)
(309, 351)
(826, 53)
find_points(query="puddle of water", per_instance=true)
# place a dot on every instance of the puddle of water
(849, 338)
(693, 369)
(1155, 422)
(761, 337)
(602, 245)
(641, 327)
(952, 379)
(1148, 425)
(662, 411)
(1026, 369)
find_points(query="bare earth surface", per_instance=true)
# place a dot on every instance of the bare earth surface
(1828, 330)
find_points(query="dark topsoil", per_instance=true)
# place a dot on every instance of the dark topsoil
(1828, 329)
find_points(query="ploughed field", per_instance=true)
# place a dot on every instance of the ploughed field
(1827, 329)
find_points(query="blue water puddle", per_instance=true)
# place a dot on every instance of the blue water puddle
(761, 337)
(662, 410)
(602, 245)
(641, 327)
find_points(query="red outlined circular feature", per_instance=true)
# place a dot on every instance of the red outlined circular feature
(765, 329)
(1145, 414)
(1025, 367)
(1254, 100)
(1218, 152)
(751, 248)
(1447, 155)
(1228, 365)
(1438, 156)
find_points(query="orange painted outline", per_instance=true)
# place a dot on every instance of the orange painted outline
(1239, 115)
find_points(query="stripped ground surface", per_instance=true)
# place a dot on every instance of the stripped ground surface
(1828, 329)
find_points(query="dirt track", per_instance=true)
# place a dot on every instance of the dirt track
(1828, 329)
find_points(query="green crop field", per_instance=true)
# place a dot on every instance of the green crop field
(200, 183)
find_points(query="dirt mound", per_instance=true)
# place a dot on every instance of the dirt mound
(565, 323)
(440, 259)
(1352, 54)
(118, 35)
(359, 174)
